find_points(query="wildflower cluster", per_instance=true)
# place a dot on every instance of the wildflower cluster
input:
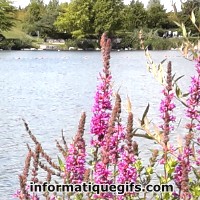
(115, 155)
(102, 106)
(193, 102)
(167, 106)
(75, 159)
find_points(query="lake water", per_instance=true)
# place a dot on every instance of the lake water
(51, 89)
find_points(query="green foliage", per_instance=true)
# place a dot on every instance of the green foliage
(135, 16)
(127, 40)
(190, 7)
(34, 14)
(15, 44)
(85, 44)
(189, 27)
(157, 43)
(2, 37)
(84, 19)
(76, 18)
(157, 16)
(6, 45)
(6, 15)
(108, 16)
(46, 24)
(61, 164)
(153, 3)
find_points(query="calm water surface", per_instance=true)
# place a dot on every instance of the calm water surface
(51, 89)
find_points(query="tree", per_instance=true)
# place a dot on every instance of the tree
(6, 15)
(46, 24)
(153, 3)
(135, 16)
(108, 16)
(157, 16)
(77, 18)
(34, 14)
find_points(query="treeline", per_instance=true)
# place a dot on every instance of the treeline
(88, 19)
(84, 18)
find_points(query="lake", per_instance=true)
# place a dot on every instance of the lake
(51, 89)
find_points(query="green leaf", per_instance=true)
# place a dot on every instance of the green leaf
(178, 92)
(192, 17)
(163, 61)
(173, 76)
(196, 173)
(149, 170)
(138, 165)
(135, 130)
(167, 195)
(184, 30)
(186, 94)
(145, 114)
(177, 23)
(179, 78)
(61, 164)
(184, 103)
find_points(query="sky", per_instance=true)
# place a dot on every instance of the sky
(166, 3)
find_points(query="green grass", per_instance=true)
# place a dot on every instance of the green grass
(17, 33)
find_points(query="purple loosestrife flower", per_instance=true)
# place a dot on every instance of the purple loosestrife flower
(115, 139)
(75, 160)
(167, 106)
(126, 169)
(18, 195)
(184, 166)
(198, 152)
(114, 135)
(102, 175)
(34, 197)
(102, 106)
(198, 157)
(53, 197)
(193, 102)
(181, 173)
(109, 149)
(21, 196)
(182, 158)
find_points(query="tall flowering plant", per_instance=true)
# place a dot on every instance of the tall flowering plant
(192, 102)
(188, 158)
(76, 156)
(106, 127)
(166, 109)
(127, 172)
(101, 116)
(102, 106)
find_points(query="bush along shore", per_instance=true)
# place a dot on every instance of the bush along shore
(115, 158)
(121, 41)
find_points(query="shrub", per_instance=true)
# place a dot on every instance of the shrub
(15, 44)
(158, 43)
(127, 40)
